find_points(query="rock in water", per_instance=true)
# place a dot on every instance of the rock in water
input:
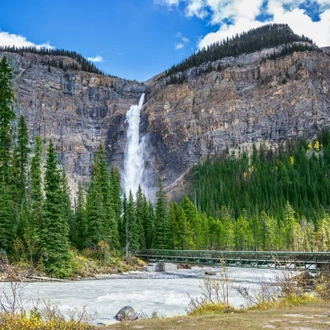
(127, 313)
(210, 273)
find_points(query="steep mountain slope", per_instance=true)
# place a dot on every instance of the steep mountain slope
(234, 100)
(76, 109)
(252, 100)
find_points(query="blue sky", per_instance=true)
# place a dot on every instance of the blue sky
(137, 39)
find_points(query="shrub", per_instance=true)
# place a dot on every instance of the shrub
(43, 316)
(215, 295)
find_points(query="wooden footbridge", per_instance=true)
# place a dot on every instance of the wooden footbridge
(312, 261)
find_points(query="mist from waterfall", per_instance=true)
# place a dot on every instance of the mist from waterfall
(134, 159)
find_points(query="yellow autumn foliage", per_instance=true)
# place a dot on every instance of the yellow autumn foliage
(24, 322)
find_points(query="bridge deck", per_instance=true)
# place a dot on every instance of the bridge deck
(260, 259)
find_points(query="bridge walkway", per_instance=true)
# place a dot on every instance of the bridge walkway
(312, 261)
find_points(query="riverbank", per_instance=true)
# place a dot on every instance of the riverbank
(83, 268)
(304, 317)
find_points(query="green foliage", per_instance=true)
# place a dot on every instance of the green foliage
(55, 228)
(132, 227)
(22, 154)
(6, 117)
(78, 227)
(272, 199)
(102, 204)
(162, 223)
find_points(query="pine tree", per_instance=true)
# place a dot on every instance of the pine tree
(182, 235)
(95, 212)
(100, 207)
(110, 225)
(162, 225)
(8, 207)
(149, 227)
(115, 194)
(7, 219)
(227, 223)
(36, 183)
(55, 229)
(6, 117)
(141, 212)
(79, 233)
(19, 178)
(195, 222)
(66, 202)
(131, 226)
(23, 152)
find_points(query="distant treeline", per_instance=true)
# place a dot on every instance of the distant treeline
(295, 171)
(82, 63)
(267, 36)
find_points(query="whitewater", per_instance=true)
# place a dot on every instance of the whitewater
(167, 294)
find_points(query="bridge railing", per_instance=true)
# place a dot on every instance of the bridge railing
(274, 259)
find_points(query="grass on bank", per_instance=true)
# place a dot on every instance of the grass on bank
(310, 316)
(282, 304)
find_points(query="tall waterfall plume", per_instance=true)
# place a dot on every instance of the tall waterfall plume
(134, 159)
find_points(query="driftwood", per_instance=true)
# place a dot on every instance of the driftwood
(45, 279)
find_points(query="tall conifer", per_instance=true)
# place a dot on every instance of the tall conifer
(55, 229)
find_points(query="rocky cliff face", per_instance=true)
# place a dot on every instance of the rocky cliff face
(76, 109)
(250, 100)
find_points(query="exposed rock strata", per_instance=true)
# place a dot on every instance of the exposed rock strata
(76, 109)
(244, 103)
(250, 100)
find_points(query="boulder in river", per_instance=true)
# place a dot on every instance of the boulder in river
(127, 313)
(210, 272)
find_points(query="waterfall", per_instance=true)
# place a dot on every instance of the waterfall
(134, 160)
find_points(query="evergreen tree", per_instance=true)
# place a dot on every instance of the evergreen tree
(102, 219)
(23, 152)
(149, 227)
(141, 213)
(162, 224)
(132, 230)
(36, 184)
(95, 212)
(8, 207)
(66, 203)
(7, 219)
(55, 230)
(6, 117)
(79, 233)
(116, 199)
(181, 231)
(195, 222)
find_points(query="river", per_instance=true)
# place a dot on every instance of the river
(147, 292)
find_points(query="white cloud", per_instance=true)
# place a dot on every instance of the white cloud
(10, 39)
(169, 3)
(242, 15)
(96, 58)
(183, 41)
(178, 45)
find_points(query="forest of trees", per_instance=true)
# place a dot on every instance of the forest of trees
(267, 36)
(82, 63)
(274, 198)
(37, 221)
